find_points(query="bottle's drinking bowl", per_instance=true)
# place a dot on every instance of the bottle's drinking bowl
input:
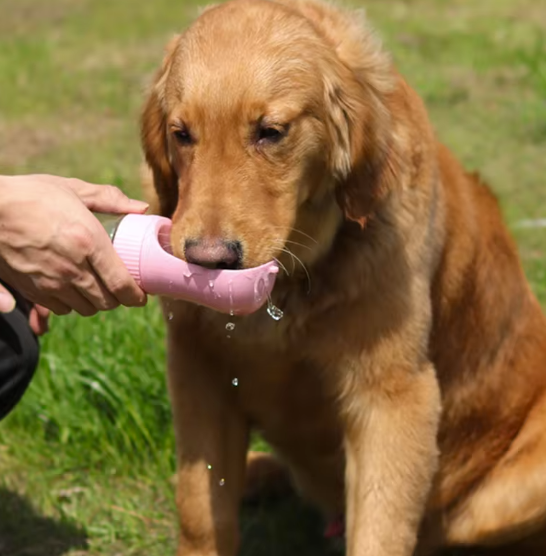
(143, 244)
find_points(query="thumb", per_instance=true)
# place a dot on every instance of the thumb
(7, 301)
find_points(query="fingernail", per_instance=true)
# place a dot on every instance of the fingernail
(7, 303)
(138, 206)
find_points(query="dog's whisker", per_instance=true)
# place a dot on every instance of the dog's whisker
(281, 265)
(273, 250)
(294, 257)
(294, 243)
(286, 250)
(271, 253)
(299, 244)
(297, 231)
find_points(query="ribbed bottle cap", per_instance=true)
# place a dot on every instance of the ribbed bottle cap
(128, 242)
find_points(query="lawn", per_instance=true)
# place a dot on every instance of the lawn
(86, 460)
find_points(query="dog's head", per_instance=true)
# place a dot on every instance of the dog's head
(266, 125)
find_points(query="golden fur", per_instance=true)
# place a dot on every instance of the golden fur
(405, 385)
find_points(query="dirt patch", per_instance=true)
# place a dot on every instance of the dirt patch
(24, 16)
(22, 141)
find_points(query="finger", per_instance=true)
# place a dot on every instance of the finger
(51, 304)
(43, 323)
(37, 321)
(61, 299)
(113, 273)
(92, 288)
(43, 312)
(43, 318)
(38, 295)
(7, 301)
(99, 198)
(106, 198)
(72, 298)
(33, 321)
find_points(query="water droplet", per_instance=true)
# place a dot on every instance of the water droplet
(230, 326)
(274, 312)
(235, 382)
(230, 290)
(222, 482)
(170, 316)
(259, 290)
(209, 466)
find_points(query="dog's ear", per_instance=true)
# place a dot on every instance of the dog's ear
(359, 83)
(154, 135)
(365, 158)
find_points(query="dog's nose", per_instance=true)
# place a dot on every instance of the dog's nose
(215, 253)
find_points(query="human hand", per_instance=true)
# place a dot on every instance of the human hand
(55, 252)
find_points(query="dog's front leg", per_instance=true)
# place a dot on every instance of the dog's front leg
(212, 441)
(391, 457)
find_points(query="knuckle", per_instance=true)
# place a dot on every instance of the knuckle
(115, 193)
(119, 286)
(101, 299)
(75, 183)
(48, 285)
(81, 188)
(106, 303)
(82, 239)
(85, 282)
(70, 274)
(110, 304)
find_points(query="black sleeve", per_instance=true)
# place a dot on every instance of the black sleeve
(19, 354)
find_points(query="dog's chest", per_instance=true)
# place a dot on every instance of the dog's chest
(273, 370)
(292, 409)
(287, 401)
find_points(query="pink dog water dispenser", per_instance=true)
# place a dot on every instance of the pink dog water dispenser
(143, 244)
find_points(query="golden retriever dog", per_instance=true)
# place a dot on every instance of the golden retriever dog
(405, 387)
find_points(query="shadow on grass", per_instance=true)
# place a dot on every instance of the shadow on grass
(24, 532)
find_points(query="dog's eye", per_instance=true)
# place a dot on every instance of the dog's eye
(271, 134)
(183, 136)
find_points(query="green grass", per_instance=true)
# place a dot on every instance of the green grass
(86, 459)
(112, 400)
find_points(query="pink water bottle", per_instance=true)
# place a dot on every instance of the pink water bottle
(143, 244)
